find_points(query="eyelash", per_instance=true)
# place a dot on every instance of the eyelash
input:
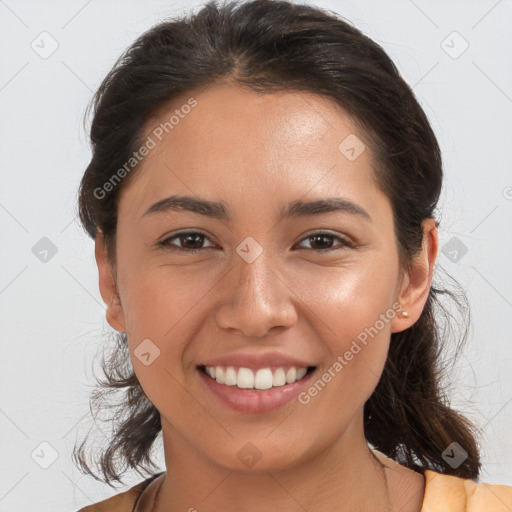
(166, 244)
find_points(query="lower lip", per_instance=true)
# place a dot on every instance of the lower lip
(254, 401)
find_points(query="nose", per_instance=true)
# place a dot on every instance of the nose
(256, 299)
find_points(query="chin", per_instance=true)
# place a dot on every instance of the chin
(261, 456)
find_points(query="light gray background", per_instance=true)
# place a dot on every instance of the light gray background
(51, 313)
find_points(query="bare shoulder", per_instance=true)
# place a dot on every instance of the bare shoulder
(411, 491)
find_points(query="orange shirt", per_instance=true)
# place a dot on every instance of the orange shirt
(443, 493)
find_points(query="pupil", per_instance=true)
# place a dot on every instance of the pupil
(197, 238)
(320, 237)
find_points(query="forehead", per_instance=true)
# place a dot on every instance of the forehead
(238, 142)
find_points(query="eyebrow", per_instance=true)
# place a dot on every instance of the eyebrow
(219, 209)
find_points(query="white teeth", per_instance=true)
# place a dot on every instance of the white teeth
(279, 378)
(300, 373)
(245, 378)
(291, 375)
(264, 378)
(220, 376)
(230, 377)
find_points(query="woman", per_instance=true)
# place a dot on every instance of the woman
(261, 195)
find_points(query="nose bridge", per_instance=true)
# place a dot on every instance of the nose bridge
(258, 277)
(256, 299)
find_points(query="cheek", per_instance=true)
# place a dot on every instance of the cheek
(165, 305)
(159, 300)
(351, 309)
(348, 299)
(162, 306)
(154, 305)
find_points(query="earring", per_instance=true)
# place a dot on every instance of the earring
(404, 314)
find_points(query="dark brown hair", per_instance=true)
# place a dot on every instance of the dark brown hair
(280, 46)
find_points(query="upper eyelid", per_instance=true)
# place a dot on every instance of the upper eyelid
(345, 240)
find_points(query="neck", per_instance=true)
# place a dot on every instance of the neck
(344, 476)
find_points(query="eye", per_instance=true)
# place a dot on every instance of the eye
(322, 241)
(191, 241)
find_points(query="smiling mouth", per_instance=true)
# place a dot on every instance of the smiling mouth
(256, 380)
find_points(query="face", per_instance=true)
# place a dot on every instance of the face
(257, 284)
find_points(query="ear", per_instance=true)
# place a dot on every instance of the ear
(415, 286)
(108, 289)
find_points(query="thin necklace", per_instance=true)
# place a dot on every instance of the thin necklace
(388, 509)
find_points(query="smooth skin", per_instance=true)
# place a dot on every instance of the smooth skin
(257, 152)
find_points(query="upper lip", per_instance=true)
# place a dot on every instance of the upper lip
(256, 361)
